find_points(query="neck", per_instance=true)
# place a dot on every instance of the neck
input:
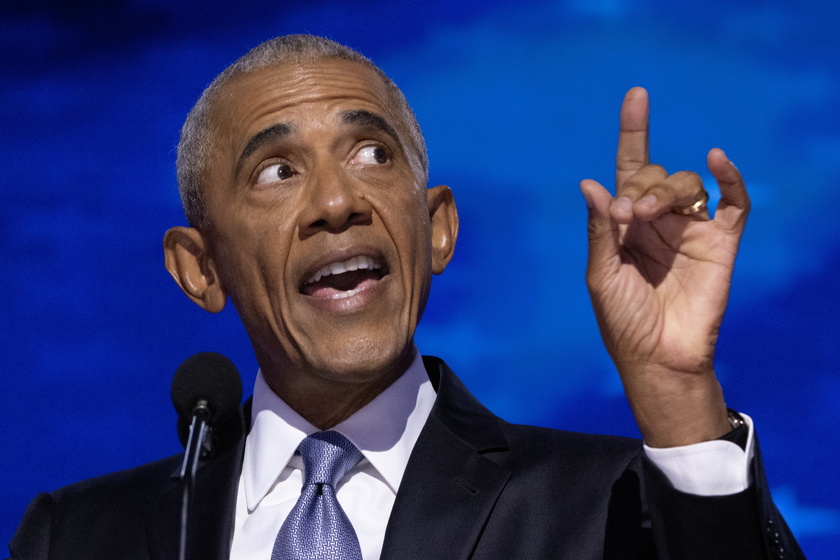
(325, 399)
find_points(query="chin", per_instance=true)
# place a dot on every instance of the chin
(365, 361)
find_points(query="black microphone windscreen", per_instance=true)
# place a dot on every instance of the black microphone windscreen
(207, 376)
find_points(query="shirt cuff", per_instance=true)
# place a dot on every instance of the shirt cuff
(710, 468)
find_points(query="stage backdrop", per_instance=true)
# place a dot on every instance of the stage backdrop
(519, 102)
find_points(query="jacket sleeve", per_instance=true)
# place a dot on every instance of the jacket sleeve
(745, 525)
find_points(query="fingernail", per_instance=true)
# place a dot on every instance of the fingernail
(647, 202)
(623, 204)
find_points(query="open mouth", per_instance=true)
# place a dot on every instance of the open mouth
(344, 279)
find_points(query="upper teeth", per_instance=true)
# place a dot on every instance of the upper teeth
(356, 263)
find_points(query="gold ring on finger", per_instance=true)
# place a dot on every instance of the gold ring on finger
(692, 209)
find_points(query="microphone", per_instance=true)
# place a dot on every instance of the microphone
(207, 386)
(206, 390)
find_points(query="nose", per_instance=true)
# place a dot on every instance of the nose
(334, 202)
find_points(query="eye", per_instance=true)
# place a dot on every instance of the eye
(372, 155)
(274, 173)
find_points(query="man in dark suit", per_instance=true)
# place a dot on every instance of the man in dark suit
(303, 175)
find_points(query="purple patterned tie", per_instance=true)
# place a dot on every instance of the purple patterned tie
(317, 528)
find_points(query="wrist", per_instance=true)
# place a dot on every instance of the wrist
(675, 409)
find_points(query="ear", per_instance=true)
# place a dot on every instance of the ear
(186, 258)
(444, 219)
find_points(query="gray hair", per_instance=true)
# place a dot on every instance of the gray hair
(198, 134)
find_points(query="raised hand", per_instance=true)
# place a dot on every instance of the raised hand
(659, 274)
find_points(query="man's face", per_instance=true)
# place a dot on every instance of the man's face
(320, 229)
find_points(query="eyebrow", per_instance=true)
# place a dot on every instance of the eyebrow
(366, 118)
(279, 130)
(273, 132)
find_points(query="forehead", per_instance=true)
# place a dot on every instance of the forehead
(294, 91)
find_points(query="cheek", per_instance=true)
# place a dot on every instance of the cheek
(422, 233)
(414, 244)
(251, 266)
(406, 220)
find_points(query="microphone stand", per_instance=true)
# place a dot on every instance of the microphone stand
(198, 443)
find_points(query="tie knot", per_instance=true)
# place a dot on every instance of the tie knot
(327, 456)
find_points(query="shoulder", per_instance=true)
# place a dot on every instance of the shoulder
(155, 473)
(136, 488)
(535, 439)
(571, 453)
(130, 487)
(515, 446)
(104, 513)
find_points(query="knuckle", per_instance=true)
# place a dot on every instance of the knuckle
(656, 169)
(627, 161)
(649, 176)
(688, 176)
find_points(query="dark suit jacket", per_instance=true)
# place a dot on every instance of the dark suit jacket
(475, 487)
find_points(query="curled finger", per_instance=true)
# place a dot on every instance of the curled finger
(681, 193)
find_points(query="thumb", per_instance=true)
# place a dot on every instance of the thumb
(603, 231)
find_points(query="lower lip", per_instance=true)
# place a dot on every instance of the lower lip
(364, 295)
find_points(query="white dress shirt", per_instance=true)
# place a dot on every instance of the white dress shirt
(385, 431)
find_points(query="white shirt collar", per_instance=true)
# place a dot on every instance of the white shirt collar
(385, 430)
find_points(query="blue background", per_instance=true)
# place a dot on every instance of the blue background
(518, 101)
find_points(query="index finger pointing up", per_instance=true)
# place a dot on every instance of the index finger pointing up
(633, 135)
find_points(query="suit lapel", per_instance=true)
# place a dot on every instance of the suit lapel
(450, 486)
